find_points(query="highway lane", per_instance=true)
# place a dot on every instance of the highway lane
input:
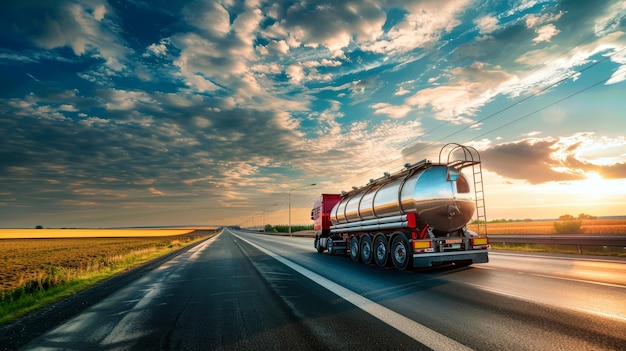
(528, 302)
(236, 292)
(222, 295)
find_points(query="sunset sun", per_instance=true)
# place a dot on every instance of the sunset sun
(595, 185)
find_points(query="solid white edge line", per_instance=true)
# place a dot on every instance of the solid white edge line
(416, 331)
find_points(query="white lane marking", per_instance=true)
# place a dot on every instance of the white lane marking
(612, 285)
(577, 280)
(418, 332)
(534, 300)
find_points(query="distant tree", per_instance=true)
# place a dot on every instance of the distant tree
(566, 217)
(586, 216)
(38, 227)
(568, 226)
(528, 220)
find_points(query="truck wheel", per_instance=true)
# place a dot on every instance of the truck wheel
(329, 242)
(319, 247)
(354, 249)
(400, 252)
(366, 249)
(381, 253)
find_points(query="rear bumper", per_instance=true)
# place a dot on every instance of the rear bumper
(432, 259)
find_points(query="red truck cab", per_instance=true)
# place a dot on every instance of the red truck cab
(320, 214)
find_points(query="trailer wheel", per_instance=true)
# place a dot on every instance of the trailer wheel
(366, 249)
(381, 253)
(329, 242)
(355, 253)
(318, 247)
(400, 252)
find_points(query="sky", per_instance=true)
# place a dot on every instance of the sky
(167, 113)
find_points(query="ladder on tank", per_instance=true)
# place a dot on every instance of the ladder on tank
(470, 158)
(481, 212)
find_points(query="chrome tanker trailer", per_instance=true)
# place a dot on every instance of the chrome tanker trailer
(416, 216)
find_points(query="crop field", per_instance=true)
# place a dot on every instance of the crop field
(592, 226)
(87, 233)
(36, 264)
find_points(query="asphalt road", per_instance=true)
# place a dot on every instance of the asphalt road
(242, 291)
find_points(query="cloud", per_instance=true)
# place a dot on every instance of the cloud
(295, 73)
(487, 24)
(209, 16)
(538, 160)
(558, 34)
(422, 26)
(331, 24)
(159, 49)
(533, 20)
(390, 110)
(84, 26)
(155, 191)
(157, 145)
(546, 33)
(468, 89)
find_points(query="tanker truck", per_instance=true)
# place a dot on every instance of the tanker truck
(416, 217)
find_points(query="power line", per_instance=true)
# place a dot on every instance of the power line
(518, 103)
(530, 97)
(542, 108)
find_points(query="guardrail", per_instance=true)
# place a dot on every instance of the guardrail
(612, 245)
(555, 239)
(589, 244)
(561, 239)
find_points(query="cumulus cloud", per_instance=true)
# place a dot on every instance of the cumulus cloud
(423, 25)
(546, 33)
(159, 49)
(82, 26)
(487, 24)
(209, 16)
(295, 73)
(542, 160)
(332, 24)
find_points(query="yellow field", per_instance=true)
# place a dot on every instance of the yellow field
(88, 233)
(595, 226)
(44, 262)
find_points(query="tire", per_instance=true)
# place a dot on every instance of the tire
(355, 253)
(319, 247)
(400, 252)
(366, 249)
(331, 250)
(381, 250)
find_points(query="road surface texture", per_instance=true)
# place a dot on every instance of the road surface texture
(242, 291)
